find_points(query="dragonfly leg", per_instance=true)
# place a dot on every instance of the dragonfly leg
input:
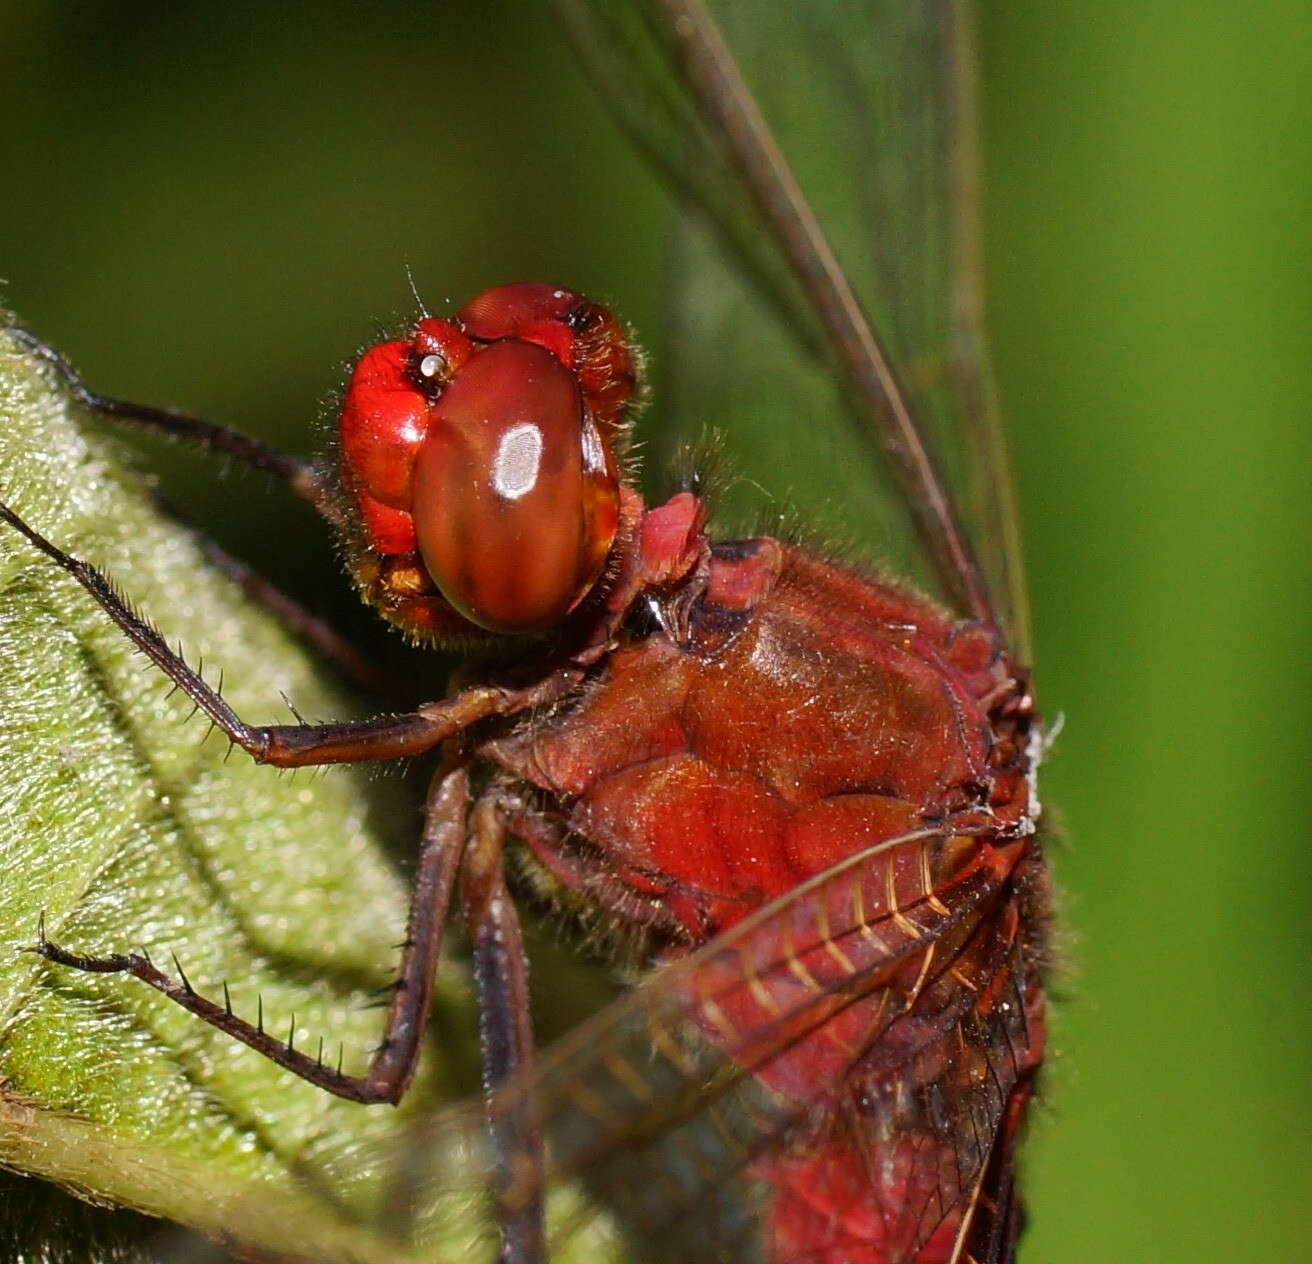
(298, 474)
(501, 973)
(395, 1058)
(300, 745)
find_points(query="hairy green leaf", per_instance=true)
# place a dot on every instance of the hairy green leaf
(126, 826)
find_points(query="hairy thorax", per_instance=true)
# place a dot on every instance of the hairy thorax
(802, 712)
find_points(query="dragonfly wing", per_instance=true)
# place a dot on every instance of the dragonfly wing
(872, 105)
(916, 1154)
(992, 1221)
(846, 1053)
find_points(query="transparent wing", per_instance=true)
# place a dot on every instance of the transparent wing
(833, 1071)
(872, 105)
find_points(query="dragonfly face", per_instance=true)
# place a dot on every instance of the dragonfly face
(478, 471)
(861, 1029)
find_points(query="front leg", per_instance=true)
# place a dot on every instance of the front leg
(299, 745)
(299, 475)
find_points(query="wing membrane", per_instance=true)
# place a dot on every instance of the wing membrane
(837, 1034)
(873, 107)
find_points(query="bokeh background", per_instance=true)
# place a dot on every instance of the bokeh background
(210, 205)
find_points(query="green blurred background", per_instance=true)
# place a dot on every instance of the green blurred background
(209, 206)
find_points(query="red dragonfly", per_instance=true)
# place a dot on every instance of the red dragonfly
(808, 787)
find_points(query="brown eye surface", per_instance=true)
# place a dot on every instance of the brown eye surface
(515, 501)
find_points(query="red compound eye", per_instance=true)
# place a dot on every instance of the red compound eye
(526, 310)
(384, 418)
(484, 444)
(582, 334)
(385, 412)
(515, 499)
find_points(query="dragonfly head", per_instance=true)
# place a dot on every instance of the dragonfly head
(479, 463)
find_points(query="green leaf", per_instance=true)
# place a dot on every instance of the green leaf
(126, 826)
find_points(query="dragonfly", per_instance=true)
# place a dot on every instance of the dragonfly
(806, 786)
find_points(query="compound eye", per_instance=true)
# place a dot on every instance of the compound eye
(383, 419)
(515, 499)
(508, 310)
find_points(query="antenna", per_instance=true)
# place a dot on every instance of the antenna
(414, 289)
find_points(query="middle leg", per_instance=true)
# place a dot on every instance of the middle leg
(506, 1034)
